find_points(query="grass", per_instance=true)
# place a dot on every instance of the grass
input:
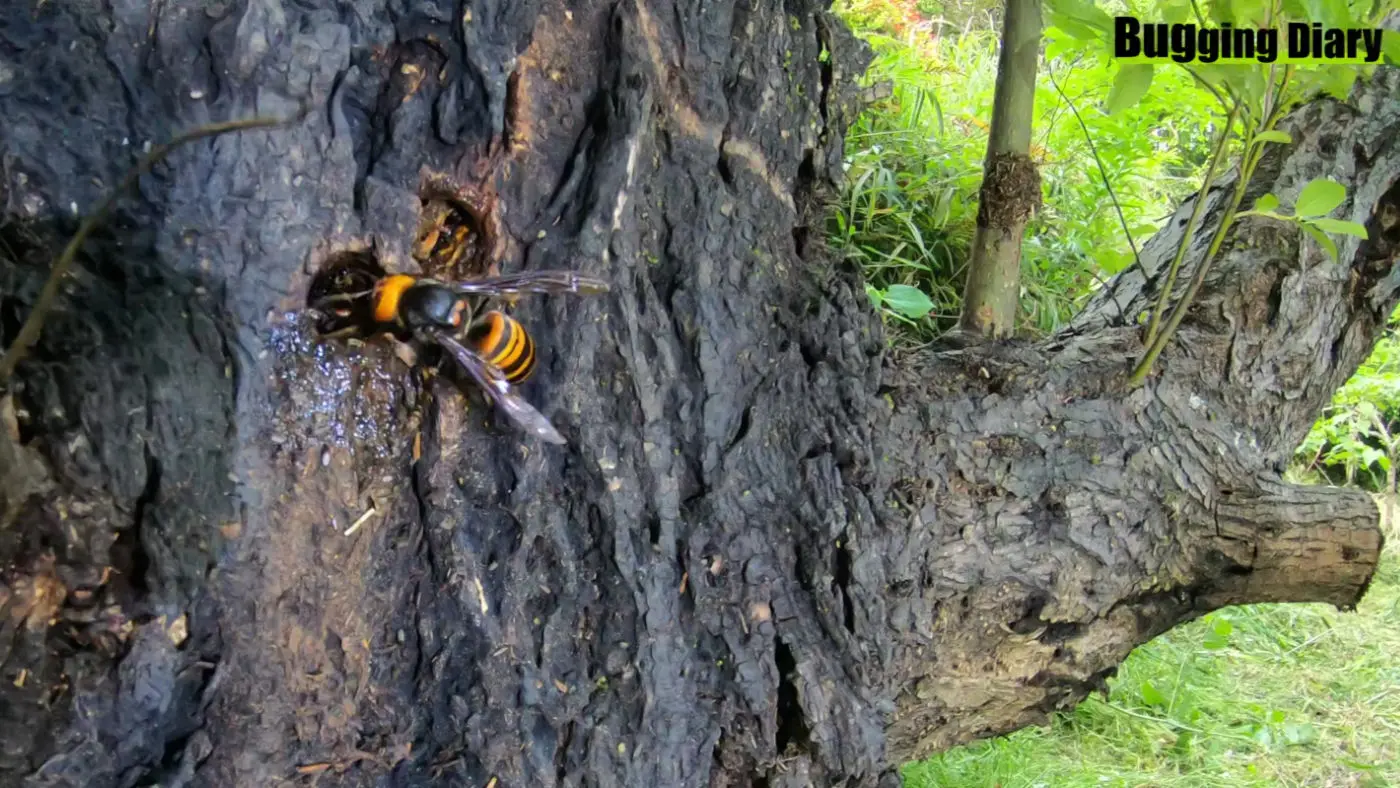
(1259, 695)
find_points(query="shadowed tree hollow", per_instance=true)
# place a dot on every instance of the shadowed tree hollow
(770, 554)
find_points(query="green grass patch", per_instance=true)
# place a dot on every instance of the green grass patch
(1259, 695)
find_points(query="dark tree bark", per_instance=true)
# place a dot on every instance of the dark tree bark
(768, 554)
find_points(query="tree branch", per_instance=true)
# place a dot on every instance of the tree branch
(1295, 543)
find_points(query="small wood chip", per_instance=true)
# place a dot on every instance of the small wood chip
(481, 595)
(179, 630)
(355, 526)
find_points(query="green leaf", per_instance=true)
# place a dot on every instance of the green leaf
(1222, 11)
(1080, 18)
(1273, 135)
(1263, 737)
(1247, 80)
(1219, 635)
(1341, 227)
(1319, 197)
(1322, 239)
(910, 302)
(1112, 261)
(1129, 86)
(1175, 11)
(1151, 696)
(1342, 78)
(1078, 41)
(1292, 8)
(1390, 47)
(1330, 13)
(1299, 733)
(1266, 202)
(876, 296)
(1333, 80)
(1059, 43)
(1359, 765)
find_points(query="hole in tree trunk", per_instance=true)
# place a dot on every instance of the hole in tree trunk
(340, 291)
(452, 240)
(841, 580)
(129, 557)
(792, 728)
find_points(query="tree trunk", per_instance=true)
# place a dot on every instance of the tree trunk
(1010, 181)
(769, 553)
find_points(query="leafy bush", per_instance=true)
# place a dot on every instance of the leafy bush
(914, 168)
(1354, 440)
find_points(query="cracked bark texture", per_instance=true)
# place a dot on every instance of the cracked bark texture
(770, 554)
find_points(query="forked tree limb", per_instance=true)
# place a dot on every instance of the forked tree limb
(1102, 516)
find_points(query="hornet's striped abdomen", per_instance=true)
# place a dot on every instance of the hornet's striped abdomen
(503, 342)
(387, 292)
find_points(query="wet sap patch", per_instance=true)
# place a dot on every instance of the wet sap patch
(339, 368)
(349, 393)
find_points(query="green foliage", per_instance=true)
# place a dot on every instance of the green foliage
(1256, 95)
(905, 301)
(1253, 95)
(915, 160)
(1129, 86)
(914, 167)
(1319, 197)
(1354, 440)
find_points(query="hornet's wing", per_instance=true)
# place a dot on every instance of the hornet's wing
(533, 282)
(494, 383)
